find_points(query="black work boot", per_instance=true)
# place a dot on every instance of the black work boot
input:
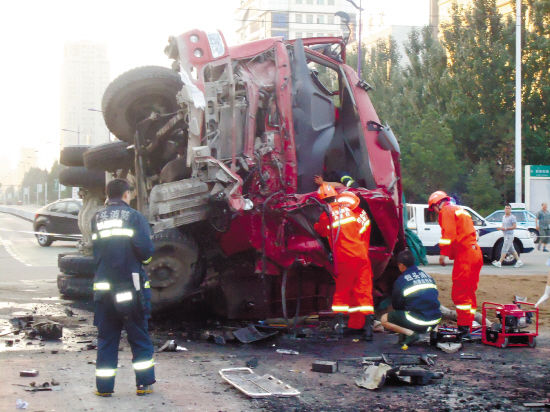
(464, 332)
(368, 328)
(340, 324)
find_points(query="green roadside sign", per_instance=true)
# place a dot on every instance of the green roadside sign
(540, 171)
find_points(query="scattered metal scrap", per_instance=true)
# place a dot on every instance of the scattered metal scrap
(375, 376)
(252, 334)
(254, 386)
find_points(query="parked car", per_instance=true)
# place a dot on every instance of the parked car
(425, 223)
(525, 220)
(57, 221)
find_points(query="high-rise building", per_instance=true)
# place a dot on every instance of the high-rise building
(85, 76)
(400, 34)
(292, 19)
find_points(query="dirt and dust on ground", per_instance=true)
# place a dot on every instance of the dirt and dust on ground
(189, 379)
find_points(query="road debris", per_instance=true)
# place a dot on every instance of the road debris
(287, 352)
(252, 363)
(49, 330)
(374, 376)
(252, 334)
(449, 347)
(465, 355)
(21, 404)
(324, 366)
(28, 373)
(219, 340)
(168, 346)
(254, 386)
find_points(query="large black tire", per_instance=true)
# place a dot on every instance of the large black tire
(75, 287)
(76, 265)
(82, 177)
(174, 271)
(109, 157)
(133, 95)
(72, 155)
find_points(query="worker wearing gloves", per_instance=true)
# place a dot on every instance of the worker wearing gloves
(347, 228)
(414, 300)
(546, 294)
(121, 239)
(459, 242)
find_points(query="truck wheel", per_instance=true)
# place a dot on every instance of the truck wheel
(76, 265)
(75, 287)
(175, 170)
(174, 271)
(509, 259)
(133, 95)
(109, 157)
(82, 177)
(72, 155)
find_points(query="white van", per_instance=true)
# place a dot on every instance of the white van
(425, 223)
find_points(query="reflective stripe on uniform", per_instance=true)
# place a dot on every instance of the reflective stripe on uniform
(444, 241)
(416, 321)
(361, 309)
(340, 308)
(346, 199)
(344, 221)
(364, 227)
(473, 311)
(108, 224)
(139, 366)
(105, 373)
(123, 297)
(464, 307)
(459, 212)
(116, 232)
(147, 285)
(147, 261)
(102, 286)
(416, 288)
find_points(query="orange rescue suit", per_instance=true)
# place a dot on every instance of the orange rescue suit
(459, 242)
(348, 232)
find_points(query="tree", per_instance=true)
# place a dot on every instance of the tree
(33, 177)
(482, 194)
(429, 158)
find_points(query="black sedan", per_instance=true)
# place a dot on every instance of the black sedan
(57, 221)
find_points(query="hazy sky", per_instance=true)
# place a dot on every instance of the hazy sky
(33, 33)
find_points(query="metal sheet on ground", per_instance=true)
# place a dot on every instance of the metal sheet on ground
(255, 386)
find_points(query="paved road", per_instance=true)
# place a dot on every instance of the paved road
(535, 264)
(25, 266)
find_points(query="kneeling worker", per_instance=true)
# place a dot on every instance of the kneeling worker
(414, 300)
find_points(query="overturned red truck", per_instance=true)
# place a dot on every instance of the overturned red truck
(225, 148)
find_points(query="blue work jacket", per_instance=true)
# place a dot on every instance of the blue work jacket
(415, 291)
(122, 242)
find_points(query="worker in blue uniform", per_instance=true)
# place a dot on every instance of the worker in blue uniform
(415, 302)
(122, 243)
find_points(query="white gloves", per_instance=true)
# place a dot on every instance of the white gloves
(544, 297)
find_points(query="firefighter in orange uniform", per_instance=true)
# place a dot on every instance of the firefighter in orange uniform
(348, 232)
(459, 242)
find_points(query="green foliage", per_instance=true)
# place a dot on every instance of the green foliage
(482, 195)
(452, 103)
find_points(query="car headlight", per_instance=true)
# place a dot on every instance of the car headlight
(216, 44)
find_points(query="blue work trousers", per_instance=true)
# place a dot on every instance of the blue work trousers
(109, 325)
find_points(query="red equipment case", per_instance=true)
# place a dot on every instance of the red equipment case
(510, 333)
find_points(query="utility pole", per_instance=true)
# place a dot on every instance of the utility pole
(518, 185)
(46, 193)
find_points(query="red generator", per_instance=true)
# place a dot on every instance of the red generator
(514, 326)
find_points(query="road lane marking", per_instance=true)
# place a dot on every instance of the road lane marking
(8, 246)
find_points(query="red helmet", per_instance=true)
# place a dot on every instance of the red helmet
(436, 197)
(326, 190)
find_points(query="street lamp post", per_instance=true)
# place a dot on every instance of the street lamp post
(518, 186)
(360, 10)
(74, 131)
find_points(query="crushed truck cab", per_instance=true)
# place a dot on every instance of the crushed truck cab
(226, 145)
